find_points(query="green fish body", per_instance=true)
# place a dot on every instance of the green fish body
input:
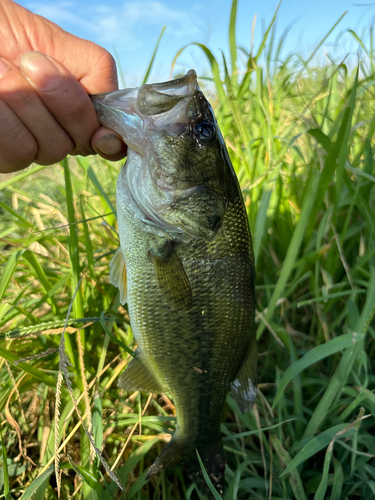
(185, 264)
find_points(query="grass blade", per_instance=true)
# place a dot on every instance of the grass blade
(322, 488)
(33, 487)
(260, 223)
(266, 35)
(211, 487)
(293, 249)
(134, 459)
(34, 372)
(325, 38)
(320, 352)
(137, 486)
(9, 271)
(313, 446)
(23, 175)
(149, 68)
(34, 263)
(214, 68)
(295, 479)
(5, 469)
(338, 480)
(344, 368)
(232, 40)
(113, 338)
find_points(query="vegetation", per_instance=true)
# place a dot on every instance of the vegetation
(301, 137)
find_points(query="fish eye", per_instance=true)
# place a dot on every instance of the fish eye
(205, 131)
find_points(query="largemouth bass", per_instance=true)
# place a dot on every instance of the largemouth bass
(185, 264)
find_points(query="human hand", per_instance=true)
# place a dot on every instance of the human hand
(45, 76)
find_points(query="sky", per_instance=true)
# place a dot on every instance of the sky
(129, 29)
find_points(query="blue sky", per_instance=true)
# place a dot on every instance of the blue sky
(132, 27)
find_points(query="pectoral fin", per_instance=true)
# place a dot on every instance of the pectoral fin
(172, 277)
(117, 274)
(138, 376)
(244, 388)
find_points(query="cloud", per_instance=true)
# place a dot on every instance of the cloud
(132, 27)
(133, 19)
(59, 13)
(125, 24)
(154, 12)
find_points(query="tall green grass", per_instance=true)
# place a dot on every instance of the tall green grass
(301, 138)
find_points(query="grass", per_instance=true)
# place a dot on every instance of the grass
(300, 134)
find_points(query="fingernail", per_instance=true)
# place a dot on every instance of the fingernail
(40, 71)
(4, 66)
(109, 144)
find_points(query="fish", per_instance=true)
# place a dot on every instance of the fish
(185, 265)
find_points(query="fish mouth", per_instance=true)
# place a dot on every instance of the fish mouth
(151, 98)
(156, 98)
(157, 106)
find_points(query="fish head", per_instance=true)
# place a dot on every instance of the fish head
(178, 171)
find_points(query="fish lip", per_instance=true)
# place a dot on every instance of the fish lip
(155, 106)
(189, 80)
(174, 86)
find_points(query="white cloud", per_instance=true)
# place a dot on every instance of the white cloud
(59, 12)
(126, 24)
(134, 18)
(132, 28)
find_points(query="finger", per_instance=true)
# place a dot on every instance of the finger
(18, 147)
(97, 72)
(108, 144)
(64, 97)
(25, 118)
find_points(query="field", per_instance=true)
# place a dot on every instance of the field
(300, 133)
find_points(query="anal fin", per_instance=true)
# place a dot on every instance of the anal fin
(139, 377)
(117, 274)
(244, 389)
(172, 276)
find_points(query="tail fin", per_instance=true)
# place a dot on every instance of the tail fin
(181, 451)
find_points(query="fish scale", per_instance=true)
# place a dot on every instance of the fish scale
(189, 281)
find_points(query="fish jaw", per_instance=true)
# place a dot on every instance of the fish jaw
(132, 113)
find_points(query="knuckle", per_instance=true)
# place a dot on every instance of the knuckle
(25, 156)
(29, 151)
(105, 65)
(17, 144)
(23, 149)
(78, 112)
(84, 127)
(106, 60)
(27, 100)
(60, 147)
(8, 168)
(18, 147)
